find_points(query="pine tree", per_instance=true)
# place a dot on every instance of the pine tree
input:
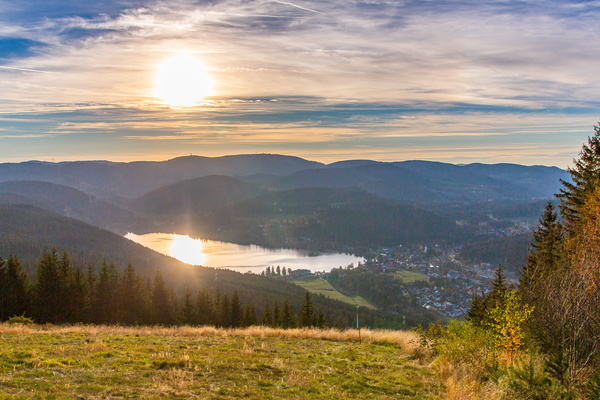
(14, 290)
(585, 176)
(90, 285)
(499, 288)
(267, 319)
(161, 307)
(104, 305)
(287, 317)
(249, 315)
(77, 289)
(307, 313)
(321, 321)
(546, 249)
(187, 312)
(131, 308)
(235, 311)
(66, 301)
(481, 306)
(276, 315)
(47, 290)
(477, 313)
(224, 312)
(4, 314)
(204, 308)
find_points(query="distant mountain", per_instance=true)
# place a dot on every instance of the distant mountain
(198, 195)
(408, 181)
(71, 203)
(350, 163)
(537, 181)
(108, 179)
(382, 179)
(416, 182)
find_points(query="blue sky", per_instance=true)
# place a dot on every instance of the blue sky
(453, 81)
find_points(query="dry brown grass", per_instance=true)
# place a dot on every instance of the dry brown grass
(115, 362)
(405, 340)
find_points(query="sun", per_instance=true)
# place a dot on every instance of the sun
(182, 81)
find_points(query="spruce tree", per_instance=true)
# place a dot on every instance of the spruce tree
(477, 313)
(224, 312)
(204, 308)
(187, 312)
(546, 250)
(4, 314)
(287, 316)
(131, 308)
(267, 319)
(47, 290)
(236, 315)
(276, 315)
(585, 176)
(161, 307)
(499, 288)
(307, 313)
(249, 315)
(104, 305)
(15, 289)
(77, 289)
(66, 301)
(321, 321)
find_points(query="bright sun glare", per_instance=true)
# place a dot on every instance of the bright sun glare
(183, 80)
(188, 250)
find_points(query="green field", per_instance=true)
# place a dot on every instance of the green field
(320, 286)
(411, 276)
(87, 362)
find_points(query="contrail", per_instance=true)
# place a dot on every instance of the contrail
(27, 70)
(297, 6)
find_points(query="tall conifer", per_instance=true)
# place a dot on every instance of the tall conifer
(585, 175)
(307, 313)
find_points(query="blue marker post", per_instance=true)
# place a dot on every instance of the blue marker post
(358, 325)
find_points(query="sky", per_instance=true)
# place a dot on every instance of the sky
(453, 81)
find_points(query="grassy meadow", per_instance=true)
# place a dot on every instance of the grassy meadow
(411, 276)
(320, 286)
(111, 362)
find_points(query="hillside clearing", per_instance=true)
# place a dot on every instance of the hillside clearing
(320, 286)
(411, 276)
(182, 363)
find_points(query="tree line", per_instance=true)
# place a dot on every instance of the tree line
(556, 307)
(60, 293)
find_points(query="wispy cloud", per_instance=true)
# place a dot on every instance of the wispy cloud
(297, 6)
(355, 77)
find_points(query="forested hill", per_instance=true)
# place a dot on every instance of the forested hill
(111, 179)
(72, 203)
(198, 195)
(407, 181)
(27, 231)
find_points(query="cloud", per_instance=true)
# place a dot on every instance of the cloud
(344, 73)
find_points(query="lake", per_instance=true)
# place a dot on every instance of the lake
(241, 258)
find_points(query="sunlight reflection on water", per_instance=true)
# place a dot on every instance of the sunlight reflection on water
(237, 257)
